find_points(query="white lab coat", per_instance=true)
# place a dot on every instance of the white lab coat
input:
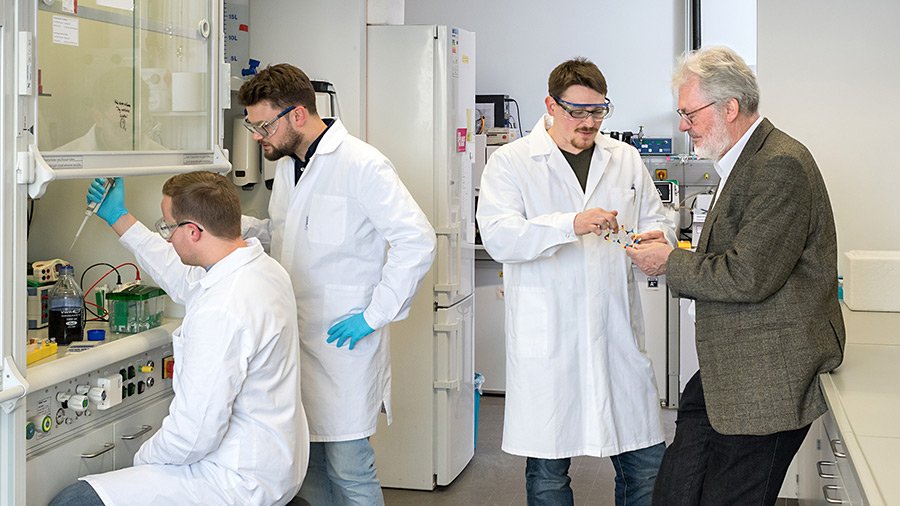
(578, 382)
(331, 232)
(236, 431)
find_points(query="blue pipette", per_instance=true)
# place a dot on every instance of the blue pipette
(92, 209)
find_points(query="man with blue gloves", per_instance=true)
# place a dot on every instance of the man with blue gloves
(357, 246)
(236, 432)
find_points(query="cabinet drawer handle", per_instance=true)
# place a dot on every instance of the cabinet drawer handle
(825, 463)
(834, 444)
(106, 447)
(144, 429)
(829, 499)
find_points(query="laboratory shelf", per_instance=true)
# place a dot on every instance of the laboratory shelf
(59, 368)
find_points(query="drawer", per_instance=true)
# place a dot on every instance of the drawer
(845, 487)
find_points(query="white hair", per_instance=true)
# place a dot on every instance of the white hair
(722, 75)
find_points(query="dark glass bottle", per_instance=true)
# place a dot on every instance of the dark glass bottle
(66, 319)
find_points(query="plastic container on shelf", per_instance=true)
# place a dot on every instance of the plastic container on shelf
(66, 308)
(136, 308)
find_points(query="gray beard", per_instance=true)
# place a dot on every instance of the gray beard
(714, 147)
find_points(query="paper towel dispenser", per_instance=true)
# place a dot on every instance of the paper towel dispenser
(326, 99)
(245, 156)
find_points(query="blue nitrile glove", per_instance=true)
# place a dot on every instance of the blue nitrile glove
(353, 328)
(113, 207)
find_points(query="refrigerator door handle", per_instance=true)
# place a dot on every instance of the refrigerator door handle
(453, 234)
(453, 331)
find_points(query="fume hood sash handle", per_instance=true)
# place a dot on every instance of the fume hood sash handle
(13, 386)
(37, 173)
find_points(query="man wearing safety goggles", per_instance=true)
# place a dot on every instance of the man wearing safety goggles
(357, 246)
(578, 380)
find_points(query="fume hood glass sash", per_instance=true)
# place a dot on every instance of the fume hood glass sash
(125, 85)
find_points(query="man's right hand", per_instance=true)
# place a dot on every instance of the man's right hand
(113, 207)
(596, 220)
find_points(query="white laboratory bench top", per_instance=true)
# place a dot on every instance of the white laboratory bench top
(864, 397)
(60, 367)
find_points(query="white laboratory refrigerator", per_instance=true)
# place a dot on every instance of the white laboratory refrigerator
(420, 95)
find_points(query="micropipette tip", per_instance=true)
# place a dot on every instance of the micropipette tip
(77, 234)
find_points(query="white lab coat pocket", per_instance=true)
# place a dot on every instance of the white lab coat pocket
(625, 204)
(342, 301)
(528, 313)
(327, 219)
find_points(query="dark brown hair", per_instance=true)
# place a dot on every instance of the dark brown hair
(281, 85)
(207, 198)
(579, 71)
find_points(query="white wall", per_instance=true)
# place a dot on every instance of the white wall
(326, 39)
(730, 23)
(518, 43)
(829, 77)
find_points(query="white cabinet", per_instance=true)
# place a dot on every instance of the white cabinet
(490, 314)
(105, 448)
(132, 431)
(825, 470)
(52, 471)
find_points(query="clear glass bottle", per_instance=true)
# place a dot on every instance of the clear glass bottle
(66, 319)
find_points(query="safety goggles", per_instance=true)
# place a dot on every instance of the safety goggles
(266, 128)
(583, 111)
(166, 229)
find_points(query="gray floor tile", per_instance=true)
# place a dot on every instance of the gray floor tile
(494, 478)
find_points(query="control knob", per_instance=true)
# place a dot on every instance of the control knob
(97, 394)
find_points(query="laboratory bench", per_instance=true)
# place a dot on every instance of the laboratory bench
(852, 454)
(115, 347)
(89, 412)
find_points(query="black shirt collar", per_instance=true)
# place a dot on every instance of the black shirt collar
(300, 165)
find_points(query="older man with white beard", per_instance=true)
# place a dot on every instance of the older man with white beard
(764, 278)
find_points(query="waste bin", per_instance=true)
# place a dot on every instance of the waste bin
(479, 380)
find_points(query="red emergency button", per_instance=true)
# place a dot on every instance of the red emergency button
(168, 367)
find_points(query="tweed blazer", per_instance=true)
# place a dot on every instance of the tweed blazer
(764, 277)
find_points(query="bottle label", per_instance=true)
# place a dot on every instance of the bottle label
(66, 325)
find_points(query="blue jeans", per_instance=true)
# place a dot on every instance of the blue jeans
(547, 481)
(80, 493)
(341, 473)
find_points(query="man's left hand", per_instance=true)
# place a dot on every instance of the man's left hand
(651, 236)
(353, 328)
(650, 257)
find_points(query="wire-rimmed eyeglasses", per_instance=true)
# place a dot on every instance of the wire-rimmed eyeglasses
(688, 116)
(582, 111)
(266, 128)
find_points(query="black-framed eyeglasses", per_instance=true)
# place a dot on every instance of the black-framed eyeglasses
(266, 128)
(582, 111)
(688, 116)
(166, 229)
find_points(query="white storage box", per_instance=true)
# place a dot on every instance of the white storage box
(872, 280)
